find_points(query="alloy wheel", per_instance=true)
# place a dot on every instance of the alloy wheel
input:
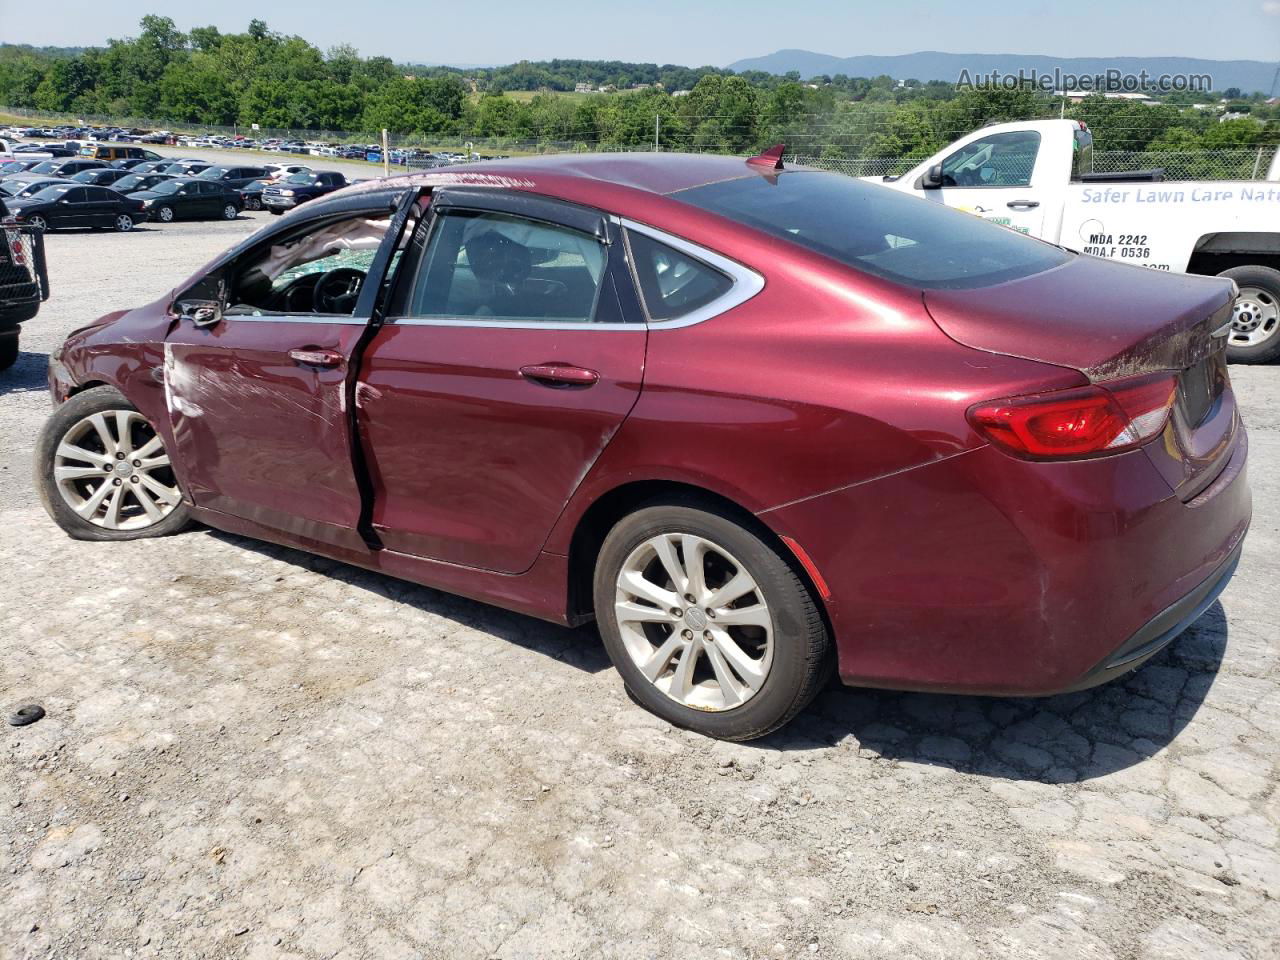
(124, 223)
(1255, 318)
(694, 621)
(166, 214)
(111, 468)
(229, 212)
(39, 222)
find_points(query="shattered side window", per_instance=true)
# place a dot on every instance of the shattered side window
(282, 277)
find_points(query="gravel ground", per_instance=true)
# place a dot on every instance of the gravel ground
(250, 752)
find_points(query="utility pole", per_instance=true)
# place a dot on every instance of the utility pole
(657, 132)
(386, 156)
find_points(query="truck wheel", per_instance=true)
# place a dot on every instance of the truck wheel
(1255, 322)
(8, 350)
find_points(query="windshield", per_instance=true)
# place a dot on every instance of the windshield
(52, 193)
(213, 173)
(168, 186)
(301, 178)
(910, 240)
(131, 182)
(46, 166)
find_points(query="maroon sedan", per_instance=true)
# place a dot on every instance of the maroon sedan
(756, 422)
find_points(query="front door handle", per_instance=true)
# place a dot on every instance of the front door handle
(559, 375)
(1023, 204)
(316, 357)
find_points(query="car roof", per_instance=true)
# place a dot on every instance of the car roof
(653, 173)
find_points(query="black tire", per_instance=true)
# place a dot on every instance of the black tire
(801, 656)
(8, 349)
(40, 223)
(1266, 282)
(163, 214)
(276, 211)
(229, 212)
(64, 419)
(252, 203)
(124, 223)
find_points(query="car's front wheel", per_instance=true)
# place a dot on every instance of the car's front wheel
(252, 203)
(708, 622)
(103, 472)
(165, 214)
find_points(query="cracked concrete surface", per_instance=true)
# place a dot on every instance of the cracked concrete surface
(250, 752)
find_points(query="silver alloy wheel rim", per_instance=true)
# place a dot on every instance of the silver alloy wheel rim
(111, 469)
(39, 223)
(694, 622)
(124, 223)
(229, 212)
(166, 214)
(1255, 318)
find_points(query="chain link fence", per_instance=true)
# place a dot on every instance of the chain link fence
(1249, 163)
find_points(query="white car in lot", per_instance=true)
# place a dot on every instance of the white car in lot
(1036, 177)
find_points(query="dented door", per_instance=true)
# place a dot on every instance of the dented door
(258, 407)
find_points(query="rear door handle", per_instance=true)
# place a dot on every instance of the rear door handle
(316, 357)
(559, 375)
(1023, 204)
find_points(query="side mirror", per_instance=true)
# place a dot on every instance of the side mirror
(202, 313)
(932, 178)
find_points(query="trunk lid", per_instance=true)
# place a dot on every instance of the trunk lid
(1110, 321)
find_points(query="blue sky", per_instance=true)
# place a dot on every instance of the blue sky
(693, 32)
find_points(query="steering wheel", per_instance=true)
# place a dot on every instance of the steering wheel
(337, 290)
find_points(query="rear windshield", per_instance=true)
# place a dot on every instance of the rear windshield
(910, 240)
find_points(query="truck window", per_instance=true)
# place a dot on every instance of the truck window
(1000, 160)
(1081, 154)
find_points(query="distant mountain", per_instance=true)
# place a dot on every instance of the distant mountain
(1248, 75)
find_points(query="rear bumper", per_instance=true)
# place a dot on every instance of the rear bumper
(984, 574)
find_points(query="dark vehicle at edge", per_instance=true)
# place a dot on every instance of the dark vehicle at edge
(75, 205)
(190, 198)
(299, 188)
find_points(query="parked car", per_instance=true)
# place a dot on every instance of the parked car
(232, 176)
(252, 191)
(190, 198)
(19, 188)
(182, 168)
(137, 182)
(299, 188)
(71, 204)
(65, 168)
(101, 176)
(752, 420)
(115, 154)
(24, 283)
(282, 171)
(15, 167)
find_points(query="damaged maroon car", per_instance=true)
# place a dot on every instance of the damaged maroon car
(757, 423)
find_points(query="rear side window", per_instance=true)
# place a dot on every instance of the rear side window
(913, 241)
(491, 266)
(673, 283)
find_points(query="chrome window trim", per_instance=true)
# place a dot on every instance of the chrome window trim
(513, 324)
(746, 282)
(341, 319)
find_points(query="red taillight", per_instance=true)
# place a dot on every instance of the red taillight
(1083, 422)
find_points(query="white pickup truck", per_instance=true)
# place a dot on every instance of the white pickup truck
(1036, 176)
(7, 154)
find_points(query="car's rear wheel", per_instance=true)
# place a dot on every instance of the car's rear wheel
(165, 214)
(708, 623)
(1255, 319)
(124, 223)
(229, 212)
(103, 472)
